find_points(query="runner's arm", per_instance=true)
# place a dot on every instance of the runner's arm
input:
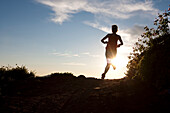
(102, 40)
(121, 42)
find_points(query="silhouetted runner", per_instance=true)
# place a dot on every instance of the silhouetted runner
(111, 48)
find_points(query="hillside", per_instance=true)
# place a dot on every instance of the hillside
(82, 95)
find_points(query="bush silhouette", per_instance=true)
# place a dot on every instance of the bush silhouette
(81, 77)
(8, 73)
(149, 61)
(154, 65)
(61, 75)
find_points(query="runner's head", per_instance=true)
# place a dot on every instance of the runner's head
(114, 28)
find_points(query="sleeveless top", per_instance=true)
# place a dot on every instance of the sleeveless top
(112, 41)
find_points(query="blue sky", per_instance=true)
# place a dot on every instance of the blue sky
(64, 35)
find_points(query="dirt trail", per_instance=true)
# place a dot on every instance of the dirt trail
(80, 96)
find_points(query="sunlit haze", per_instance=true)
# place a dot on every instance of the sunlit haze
(49, 36)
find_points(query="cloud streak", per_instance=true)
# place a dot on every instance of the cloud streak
(130, 35)
(119, 9)
(65, 54)
(90, 55)
(73, 64)
(87, 54)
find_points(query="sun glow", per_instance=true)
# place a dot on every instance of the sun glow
(120, 63)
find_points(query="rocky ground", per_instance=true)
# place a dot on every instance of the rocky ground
(82, 95)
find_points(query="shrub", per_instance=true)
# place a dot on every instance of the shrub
(81, 77)
(150, 60)
(8, 73)
(61, 75)
(154, 65)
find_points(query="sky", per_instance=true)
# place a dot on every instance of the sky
(49, 36)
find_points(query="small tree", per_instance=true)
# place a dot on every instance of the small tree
(152, 44)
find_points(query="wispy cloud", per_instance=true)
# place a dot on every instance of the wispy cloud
(80, 55)
(90, 55)
(132, 35)
(87, 54)
(129, 36)
(98, 26)
(121, 9)
(65, 54)
(73, 64)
